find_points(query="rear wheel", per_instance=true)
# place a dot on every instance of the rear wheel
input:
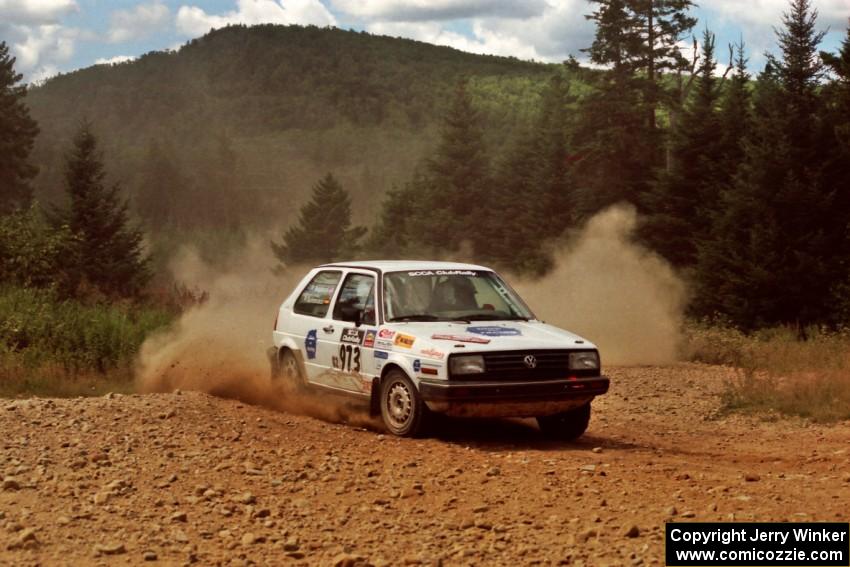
(568, 425)
(288, 372)
(402, 409)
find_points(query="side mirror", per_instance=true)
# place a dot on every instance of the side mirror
(351, 314)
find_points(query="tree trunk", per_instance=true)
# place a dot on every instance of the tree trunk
(650, 64)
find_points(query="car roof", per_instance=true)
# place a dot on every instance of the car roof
(404, 265)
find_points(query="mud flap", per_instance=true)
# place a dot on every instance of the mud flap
(375, 399)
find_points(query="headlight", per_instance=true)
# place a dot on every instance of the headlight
(584, 361)
(467, 364)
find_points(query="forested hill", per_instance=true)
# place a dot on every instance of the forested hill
(237, 125)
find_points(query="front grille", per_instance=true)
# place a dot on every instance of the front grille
(552, 364)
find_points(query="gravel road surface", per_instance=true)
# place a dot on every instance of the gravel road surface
(186, 477)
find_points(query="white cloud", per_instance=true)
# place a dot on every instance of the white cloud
(433, 10)
(23, 12)
(767, 13)
(552, 35)
(193, 21)
(758, 20)
(40, 48)
(114, 60)
(483, 40)
(138, 23)
(35, 36)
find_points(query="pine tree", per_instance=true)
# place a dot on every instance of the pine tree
(620, 143)
(615, 148)
(835, 146)
(324, 232)
(17, 137)
(735, 114)
(660, 25)
(772, 256)
(838, 95)
(800, 71)
(681, 200)
(534, 188)
(161, 186)
(454, 205)
(391, 236)
(108, 252)
(219, 195)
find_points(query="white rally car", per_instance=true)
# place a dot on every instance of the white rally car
(411, 338)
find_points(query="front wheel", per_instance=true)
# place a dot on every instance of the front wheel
(402, 409)
(567, 425)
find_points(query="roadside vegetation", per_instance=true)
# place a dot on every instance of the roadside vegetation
(64, 347)
(777, 372)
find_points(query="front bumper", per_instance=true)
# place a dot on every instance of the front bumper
(511, 399)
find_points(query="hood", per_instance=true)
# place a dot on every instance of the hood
(479, 336)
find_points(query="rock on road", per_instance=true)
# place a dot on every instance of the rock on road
(189, 478)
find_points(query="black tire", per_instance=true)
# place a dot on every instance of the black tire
(288, 372)
(402, 410)
(568, 425)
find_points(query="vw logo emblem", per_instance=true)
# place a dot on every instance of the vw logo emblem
(530, 361)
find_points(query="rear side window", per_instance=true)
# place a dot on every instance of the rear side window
(316, 298)
(357, 291)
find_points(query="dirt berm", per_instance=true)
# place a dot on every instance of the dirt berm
(187, 477)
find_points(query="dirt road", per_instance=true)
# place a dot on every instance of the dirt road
(187, 477)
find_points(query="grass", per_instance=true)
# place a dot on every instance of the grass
(50, 381)
(53, 347)
(778, 372)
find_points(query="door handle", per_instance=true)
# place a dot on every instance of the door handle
(329, 329)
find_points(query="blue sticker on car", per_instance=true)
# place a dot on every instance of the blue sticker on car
(494, 331)
(417, 365)
(381, 354)
(310, 344)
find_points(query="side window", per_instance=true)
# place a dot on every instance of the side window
(316, 298)
(357, 291)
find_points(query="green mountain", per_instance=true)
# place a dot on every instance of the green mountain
(234, 128)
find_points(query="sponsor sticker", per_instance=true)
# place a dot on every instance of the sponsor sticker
(433, 353)
(385, 344)
(369, 339)
(443, 273)
(351, 336)
(310, 344)
(494, 331)
(417, 365)
(461, 339)
(404, 341)
(381, 354)
(386, 334)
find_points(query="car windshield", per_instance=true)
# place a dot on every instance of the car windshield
(451, 295)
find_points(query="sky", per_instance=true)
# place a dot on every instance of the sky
(53, 36)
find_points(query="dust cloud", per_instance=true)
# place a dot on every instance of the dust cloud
(612, 291)
(604, 287)
(219, 347)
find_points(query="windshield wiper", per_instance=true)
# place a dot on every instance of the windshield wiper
(417, 317)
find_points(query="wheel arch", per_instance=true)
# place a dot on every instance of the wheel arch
(288, 345)
(375, 399)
